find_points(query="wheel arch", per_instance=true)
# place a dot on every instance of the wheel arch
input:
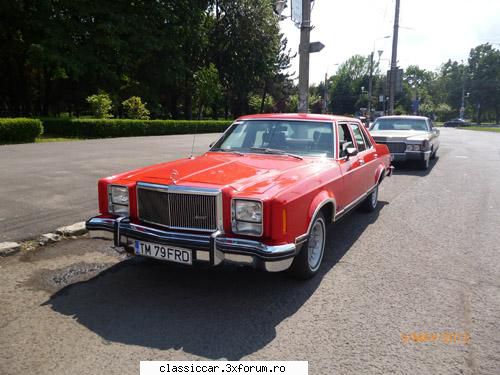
(323, 202)
(379, 174)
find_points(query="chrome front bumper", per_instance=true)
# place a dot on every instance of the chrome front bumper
(212, 249)
(411, 155)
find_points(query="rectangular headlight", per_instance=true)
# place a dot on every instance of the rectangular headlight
(412, 147)
(247, 217)
(250, 211)
(118, 200)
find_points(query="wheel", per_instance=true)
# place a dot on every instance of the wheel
(433, 155)
(371, 201)
(424, 164)
(307, 263)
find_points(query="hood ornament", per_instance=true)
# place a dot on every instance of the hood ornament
(174, 176)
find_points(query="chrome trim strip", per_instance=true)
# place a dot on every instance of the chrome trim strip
(354, 203)
(240, 245)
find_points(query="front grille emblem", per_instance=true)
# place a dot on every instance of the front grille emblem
(174, 176)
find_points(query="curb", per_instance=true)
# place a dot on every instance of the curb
(9, 248)
(70, 231)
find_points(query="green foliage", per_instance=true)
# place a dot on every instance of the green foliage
(100, 105)
(54, 54)
(135, 108)
(110, 128)
(444, 112)
(255, 104)
(345, 90)
(19, 130)
(208, 88)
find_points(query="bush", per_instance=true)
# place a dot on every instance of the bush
(111, 128)
(135, 108)
(19, 130)
(100, 105)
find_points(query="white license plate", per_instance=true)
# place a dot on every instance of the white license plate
(163, 252)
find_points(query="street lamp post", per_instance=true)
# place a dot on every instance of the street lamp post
(370, 81)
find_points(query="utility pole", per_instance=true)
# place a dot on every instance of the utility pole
(394, 60)
(304, 49)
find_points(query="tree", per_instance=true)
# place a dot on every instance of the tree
(484, 67)
(208, 88)
(100, 105)
(135, 108)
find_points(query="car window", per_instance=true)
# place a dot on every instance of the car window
(366, 138)
(360, 141)
(400, 124)
(309, 138)
(345, 139)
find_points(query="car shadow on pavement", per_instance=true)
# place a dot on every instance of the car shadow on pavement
(411, 169)
(226, 312)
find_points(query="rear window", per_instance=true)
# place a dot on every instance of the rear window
(400, 124)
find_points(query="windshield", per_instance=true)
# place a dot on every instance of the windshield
(306, 138)
(400, 124)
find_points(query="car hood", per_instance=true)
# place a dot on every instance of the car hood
(399, 135)
(251, 173)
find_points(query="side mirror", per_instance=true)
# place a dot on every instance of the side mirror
(351, 151)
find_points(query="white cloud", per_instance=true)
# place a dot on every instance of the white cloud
(432, 31)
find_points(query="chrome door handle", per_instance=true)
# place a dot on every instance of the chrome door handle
(361, 161)
(375, 156)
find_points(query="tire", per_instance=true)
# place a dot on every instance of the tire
(307, 263)
(371, 201)
(433, 155)
(424, 164)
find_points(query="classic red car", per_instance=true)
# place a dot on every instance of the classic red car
(261, 196)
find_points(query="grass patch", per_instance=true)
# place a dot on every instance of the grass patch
(56, 139)
(481, 128)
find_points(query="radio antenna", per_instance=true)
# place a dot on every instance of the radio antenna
(194, 138)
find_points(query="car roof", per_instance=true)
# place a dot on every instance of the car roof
(404, 117)
(296, 116)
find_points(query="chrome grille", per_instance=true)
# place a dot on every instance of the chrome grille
(395, 148)
(153, 206)
(178, 207)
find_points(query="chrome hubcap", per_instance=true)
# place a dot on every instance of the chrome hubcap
(316, 245)
(375, 197)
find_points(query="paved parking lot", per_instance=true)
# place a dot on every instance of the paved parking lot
(427, 262)
(46, 185)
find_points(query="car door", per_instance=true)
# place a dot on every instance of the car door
(366, 155)
(350, 168)
(434, 139)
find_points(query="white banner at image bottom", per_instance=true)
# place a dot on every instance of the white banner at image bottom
(224, 367)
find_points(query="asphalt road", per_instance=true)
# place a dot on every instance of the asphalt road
(47, 185)
(427, 261)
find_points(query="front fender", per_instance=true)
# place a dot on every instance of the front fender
(322, 199)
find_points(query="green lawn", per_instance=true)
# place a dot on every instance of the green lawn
(481, 128)
(44, 139)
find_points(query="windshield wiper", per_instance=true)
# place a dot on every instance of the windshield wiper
(228, 150)
(275, 151)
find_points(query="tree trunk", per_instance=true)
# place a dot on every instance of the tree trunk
(263, 102)
(188, 106)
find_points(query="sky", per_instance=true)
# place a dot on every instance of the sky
(431, 31)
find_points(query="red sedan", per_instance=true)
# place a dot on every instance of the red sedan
(261, 196)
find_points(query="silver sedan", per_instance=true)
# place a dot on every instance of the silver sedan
(409, 138)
